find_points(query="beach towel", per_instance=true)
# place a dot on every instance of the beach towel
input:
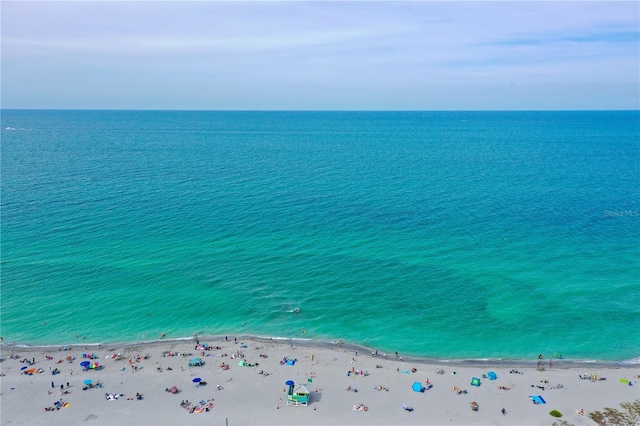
(290, 362)
(625, 381)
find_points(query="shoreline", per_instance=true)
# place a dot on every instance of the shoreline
(558, 362)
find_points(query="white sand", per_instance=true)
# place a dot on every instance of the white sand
(248, 398)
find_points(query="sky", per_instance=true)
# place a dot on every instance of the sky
(320, 55)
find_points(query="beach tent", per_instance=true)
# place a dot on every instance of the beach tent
(417, 387)
(475, 382)
(299, 396)
(492, 375)
(195, 362)
(537, 399)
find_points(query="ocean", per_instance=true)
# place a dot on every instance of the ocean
(443, 235)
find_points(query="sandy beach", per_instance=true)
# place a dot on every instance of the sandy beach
(348, 385)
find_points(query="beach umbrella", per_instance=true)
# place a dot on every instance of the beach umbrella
(289, 383)
(417, 387)
(85, 364)
(87, 382)
(492, 375)
(197, 380)
(32, 370)
(95, 365)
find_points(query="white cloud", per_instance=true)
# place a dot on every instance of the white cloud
(329, 49)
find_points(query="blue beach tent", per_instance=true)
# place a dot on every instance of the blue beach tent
(492, 375)
(417, 387)
(537, 399)
(475, 382)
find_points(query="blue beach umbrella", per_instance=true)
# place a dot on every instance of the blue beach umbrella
(417, 387)
(85, 364)
(492, 375)
(197, 380)
(87, 382)
(289, 383)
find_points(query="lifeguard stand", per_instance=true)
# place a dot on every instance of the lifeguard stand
(299, 396)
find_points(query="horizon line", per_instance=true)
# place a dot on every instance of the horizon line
(321, 110)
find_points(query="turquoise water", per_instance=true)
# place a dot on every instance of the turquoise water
(448, 235)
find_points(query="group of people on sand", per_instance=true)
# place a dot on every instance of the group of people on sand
(458, 390)
(355, 372)
(199, 407)
(591, 377)
(139, 358)
(57, 405)
(360, 407)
